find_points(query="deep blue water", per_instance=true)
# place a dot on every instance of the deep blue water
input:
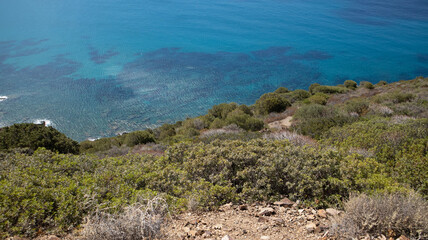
(99, 67)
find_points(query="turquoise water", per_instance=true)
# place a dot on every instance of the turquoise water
(96, 68)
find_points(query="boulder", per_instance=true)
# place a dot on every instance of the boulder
(322, 213)
(266, 211)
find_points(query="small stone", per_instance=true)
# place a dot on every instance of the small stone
(301, 211)
(227, 206)
(244, 231)
(207, 234)
(322, 213)
(279, 221)
(226, 237)
(186, 229)
(310, 217)
(266, 211)
(310, 227)
(218, 226)
(402, 237)
(332, 212)
(192, 233)
(264, 237)
(262, 219)
(317, 230)
(284, 202)
(243, 207)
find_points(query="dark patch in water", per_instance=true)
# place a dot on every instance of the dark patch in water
(423, 57)
(100, 58)
(422, 71)
(271, 52)
(380, 12)
(312, 56)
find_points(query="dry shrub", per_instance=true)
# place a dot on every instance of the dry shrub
(137, 221)
(389, 214)
(230, 129)
(293, 137)
(381, 110)
(272, 117)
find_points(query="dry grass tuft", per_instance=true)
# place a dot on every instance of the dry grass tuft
(138, 221)
(388, 214)
(293, 137)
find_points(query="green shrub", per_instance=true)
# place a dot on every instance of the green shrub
(312, 87)
(244, 120)
(315, 119)
(271, 102)
(221, 110)
(367, 85)
(318, 98)
(330, 89)
(245, 109)
(138, 137)
(350, 84)
(382, 83)
(33, 136)
(298, 95)
(359, 106)
(282, 90)
(218, 123)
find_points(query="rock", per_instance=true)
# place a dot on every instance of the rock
(284, 202)
(226, 237)
(186, 229)
(207, 234)
(317, 230)
(262, 219)
(402, 237)
(243, 207)
(301, 211)
(279, 221)
(310, 227)
(332, 212)
(266, 211)
(310, 217)
(227, 206)
(192, 233)
(218, 226)
(265, 237)
(322, 213)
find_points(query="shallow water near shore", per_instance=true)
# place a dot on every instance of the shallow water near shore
(98, 68)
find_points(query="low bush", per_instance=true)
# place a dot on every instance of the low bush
(138, 137)
(282, 90)
(366, 84)
(33, 136)
(350, 84)
(330, 89)
(313, 86)
(389, 214)
(359, 106)
(318, 98)
(271, 102)
(315, 119)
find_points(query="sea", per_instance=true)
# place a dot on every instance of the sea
(98, 68)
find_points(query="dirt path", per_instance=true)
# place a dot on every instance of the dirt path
(248, 222)
(281, 124)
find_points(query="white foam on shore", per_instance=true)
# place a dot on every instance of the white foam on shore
(2, 98)
(47, 122)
